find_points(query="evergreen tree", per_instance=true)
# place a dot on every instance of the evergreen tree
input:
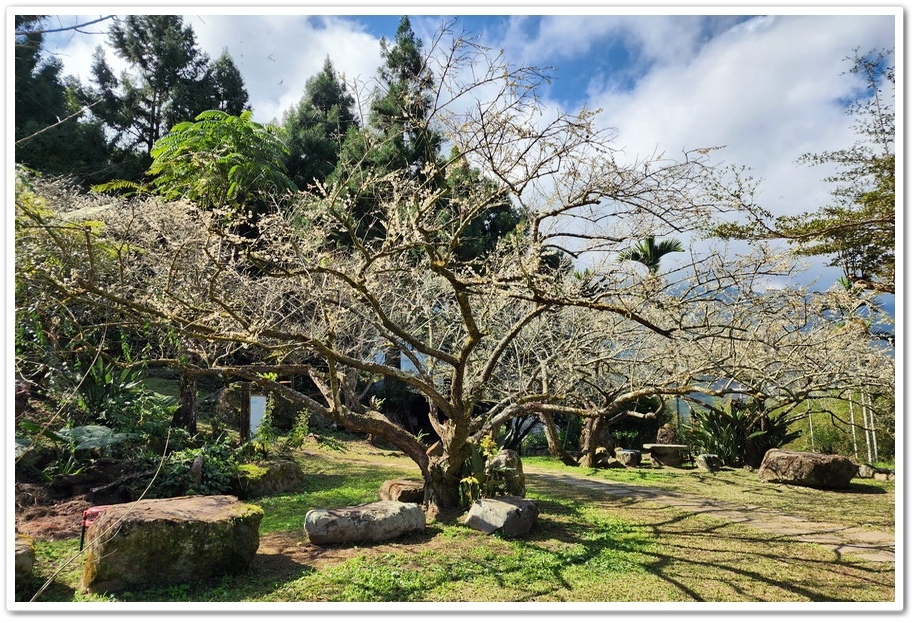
(229, 92)
(401, 114)
(52, 133)
(398, 138)
(316, 127)
(478, 235)
(168, 82)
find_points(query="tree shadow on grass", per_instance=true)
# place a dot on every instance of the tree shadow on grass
(703, 561)
(858, 487)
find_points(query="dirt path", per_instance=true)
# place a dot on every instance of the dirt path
(869, 545)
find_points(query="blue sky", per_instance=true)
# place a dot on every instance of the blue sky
(768, 84)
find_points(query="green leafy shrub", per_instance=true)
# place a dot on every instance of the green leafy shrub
(740, 432)
(220, 160)
(218, 465)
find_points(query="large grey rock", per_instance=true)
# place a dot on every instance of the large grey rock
(401, 490)
(709, 462)
(670, 455)
(602, 460)
(512, 515)
(269, 478)
(169, 541)
(505, 469)
(807, 469)
(25, 560)
(629, 458)
(376, 521)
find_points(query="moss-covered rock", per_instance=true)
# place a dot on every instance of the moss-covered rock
(169, 541)
(269, 478)
(25, 560)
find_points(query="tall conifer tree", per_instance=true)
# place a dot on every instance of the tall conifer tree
(316, 127)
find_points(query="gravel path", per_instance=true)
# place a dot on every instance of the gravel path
(844, 541)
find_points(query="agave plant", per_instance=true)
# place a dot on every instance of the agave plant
(740, 432)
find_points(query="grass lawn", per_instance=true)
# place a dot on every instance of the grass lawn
(584, 547)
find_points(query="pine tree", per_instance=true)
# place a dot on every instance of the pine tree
(161, 88)
(229, 92)
(316, 127)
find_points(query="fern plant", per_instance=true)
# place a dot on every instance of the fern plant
(220, 160)
(217, 160)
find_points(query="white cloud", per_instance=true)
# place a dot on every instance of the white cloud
(768, 89)
(277, 54)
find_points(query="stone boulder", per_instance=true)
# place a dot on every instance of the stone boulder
(401, 490)
(667, 455)
(269, 478)
(709, 462)
(602, 460)
(505, 469)
(807, 469)
(376, 521)
(25, 560)
(511, 515)
(169, 541)
(629, 458)
(878, 473)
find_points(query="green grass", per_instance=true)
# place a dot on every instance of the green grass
(867, 504)
(583, 548)
(325, 489)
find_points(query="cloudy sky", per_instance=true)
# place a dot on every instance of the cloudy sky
(767, 84)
